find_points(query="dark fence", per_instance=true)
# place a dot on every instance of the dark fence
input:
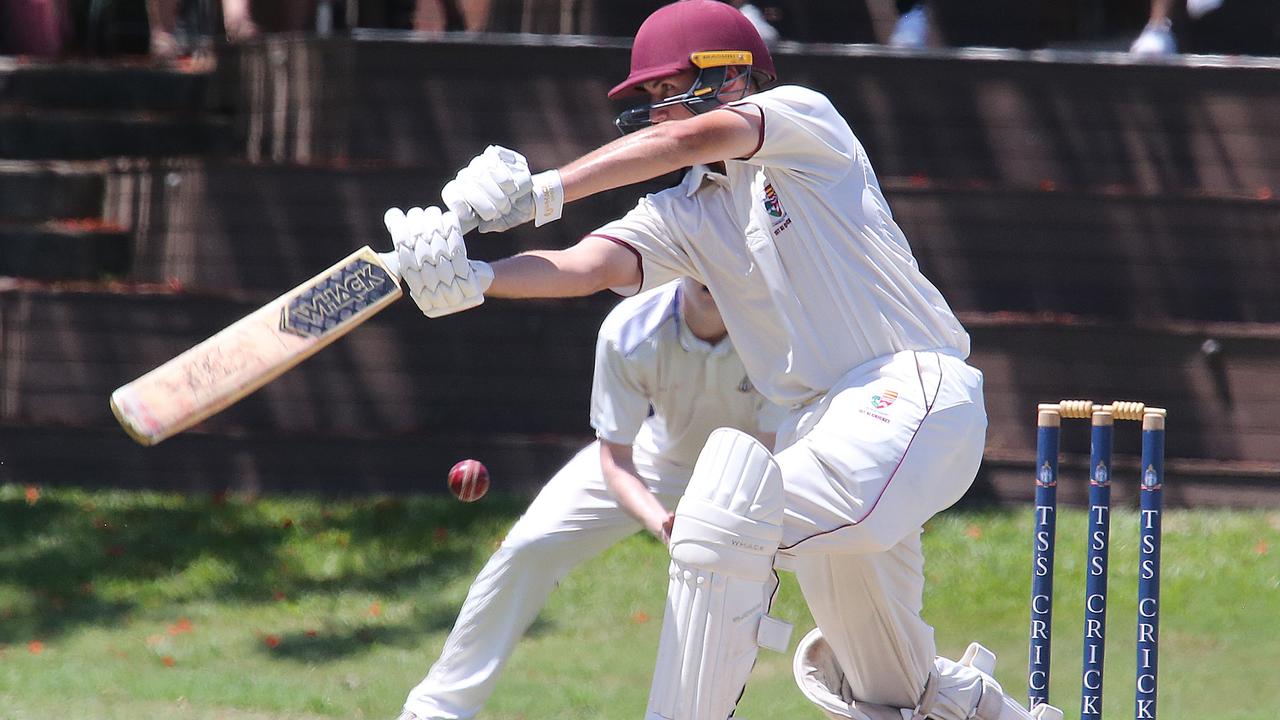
(1106, 229)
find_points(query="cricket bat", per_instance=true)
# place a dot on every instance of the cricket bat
(259, 347)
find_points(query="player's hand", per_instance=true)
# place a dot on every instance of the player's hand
(433, 261)
(660, 526)
(498, 187)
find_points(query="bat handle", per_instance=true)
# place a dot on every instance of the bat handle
(466, 218)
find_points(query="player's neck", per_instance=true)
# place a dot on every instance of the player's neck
(707, 329)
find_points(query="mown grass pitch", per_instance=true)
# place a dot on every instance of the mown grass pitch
(151, 605)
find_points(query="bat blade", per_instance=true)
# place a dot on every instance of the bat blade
(256, 349)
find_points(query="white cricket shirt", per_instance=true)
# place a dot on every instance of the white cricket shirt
(797, 244)
(648, 359)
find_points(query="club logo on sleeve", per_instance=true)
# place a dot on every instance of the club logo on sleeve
(778, 217)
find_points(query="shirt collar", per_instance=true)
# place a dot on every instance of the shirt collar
(700, 175)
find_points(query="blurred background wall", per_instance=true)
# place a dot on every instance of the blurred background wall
(1107, 228)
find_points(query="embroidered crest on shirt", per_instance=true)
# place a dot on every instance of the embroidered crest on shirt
(778, 218)
(745, 386)
(883, 400)
(880, 401)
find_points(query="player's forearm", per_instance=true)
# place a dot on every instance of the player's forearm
(635, 498)
(542, 274)
(629, 490)
(628, 160)
(661, 149)
(592, 265)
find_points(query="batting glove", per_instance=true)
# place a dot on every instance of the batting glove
(433, 261)
(498, 187)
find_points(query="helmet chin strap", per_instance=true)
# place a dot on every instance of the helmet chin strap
(702, 95)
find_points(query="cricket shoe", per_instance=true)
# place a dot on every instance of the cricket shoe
(1156, 40)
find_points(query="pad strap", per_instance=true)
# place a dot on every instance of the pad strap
(774, 634)
(928, 697)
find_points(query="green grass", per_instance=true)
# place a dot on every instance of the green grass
(149, 605)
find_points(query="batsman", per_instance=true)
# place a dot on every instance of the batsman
(781, 216)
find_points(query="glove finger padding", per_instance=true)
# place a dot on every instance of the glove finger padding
(397, 225)
(512, 168)
(457, 250)
(398, 228)
(433, 261)
(497, 186)
(482, 181)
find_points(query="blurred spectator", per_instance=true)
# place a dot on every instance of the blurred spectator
(453, 15)
(767, 31)
(34, 27)
(912, 28)
(241, 20)
(1232, 27)
(237, 21)
(162, 18)
(1157, 37)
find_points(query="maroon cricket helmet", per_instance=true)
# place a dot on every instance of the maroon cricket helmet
(667, 40)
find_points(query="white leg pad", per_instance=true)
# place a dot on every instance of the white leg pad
(727, 530)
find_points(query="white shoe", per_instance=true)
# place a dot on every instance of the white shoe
(1199, 8)
(912, 29)
(1156, 40)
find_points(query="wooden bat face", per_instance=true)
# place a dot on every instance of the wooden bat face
(256, 349)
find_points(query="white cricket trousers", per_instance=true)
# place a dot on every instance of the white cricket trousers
(897, 440)
(573, 519)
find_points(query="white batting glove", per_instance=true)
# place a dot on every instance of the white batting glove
(498, 187)
(433, 261)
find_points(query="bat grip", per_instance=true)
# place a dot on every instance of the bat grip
(466, 218)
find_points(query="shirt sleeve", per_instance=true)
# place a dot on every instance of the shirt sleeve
(619, 399)
(801, 132)
(646, 232)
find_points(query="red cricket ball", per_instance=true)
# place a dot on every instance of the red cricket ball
(469, 480)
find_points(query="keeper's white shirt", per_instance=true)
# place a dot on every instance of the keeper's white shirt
(648, 359)
(796, 242)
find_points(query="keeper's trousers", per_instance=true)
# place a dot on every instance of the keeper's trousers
(573, 519)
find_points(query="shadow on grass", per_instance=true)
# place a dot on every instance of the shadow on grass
(71, 559)
(330, 645)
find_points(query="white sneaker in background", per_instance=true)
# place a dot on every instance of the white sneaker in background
(768, 33)
(1199, 8)
(912, 28)
(1156, 39)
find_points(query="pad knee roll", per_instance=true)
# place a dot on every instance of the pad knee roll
(727, 530)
